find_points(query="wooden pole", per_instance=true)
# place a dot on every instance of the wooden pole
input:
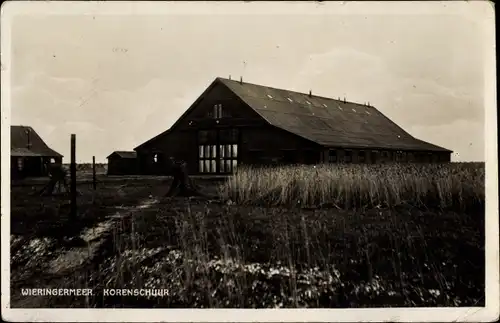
(93, 173)
(73, 176)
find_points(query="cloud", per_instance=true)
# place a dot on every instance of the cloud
(421, 71)
(465, 138)
(361, 77)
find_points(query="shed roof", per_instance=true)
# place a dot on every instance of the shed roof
(326, 121)
(124, 154)
(25, 142)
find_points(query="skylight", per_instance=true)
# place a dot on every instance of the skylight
(340, 108)
(269, 96)
(308, 102)
(368, 112)
(353, 110)
(290, 100)
(325, 105)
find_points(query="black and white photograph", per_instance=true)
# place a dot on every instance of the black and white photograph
(249, 155)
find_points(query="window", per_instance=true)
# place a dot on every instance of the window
(228, 136)
(20, 164)
(398, 156)
(385, 156)
(155, 158)
(361, 156)
(348, 156)
(207, 157)
(332, 156)
(218, 111)
(228, 158)
(207, 137)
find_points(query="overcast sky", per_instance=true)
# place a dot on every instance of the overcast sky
(118, 80)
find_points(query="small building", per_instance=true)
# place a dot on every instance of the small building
(29, 154)
(234, 123)
(122, 163)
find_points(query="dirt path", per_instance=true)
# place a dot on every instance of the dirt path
(69, 262)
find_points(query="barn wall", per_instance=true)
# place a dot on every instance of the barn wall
(235, 112)
(122, 166)
(381, 156)
(31, 166)
(182, 141)
(269, 145)
(178, 144)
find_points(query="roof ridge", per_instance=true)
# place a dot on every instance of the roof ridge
(295, 92)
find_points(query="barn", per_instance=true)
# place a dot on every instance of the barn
(122, 163)
(233, 123)
(29, 154)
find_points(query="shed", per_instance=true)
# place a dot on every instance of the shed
(122, 163)
(30, 156)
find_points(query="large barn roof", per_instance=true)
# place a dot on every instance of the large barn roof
(326, 121)
(25, 142)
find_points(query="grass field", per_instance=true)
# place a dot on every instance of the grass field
(330, 236)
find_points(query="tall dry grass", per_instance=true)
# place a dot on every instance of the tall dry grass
(453, 185)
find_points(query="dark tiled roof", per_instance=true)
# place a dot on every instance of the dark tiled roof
(328, 122)
(25, 142)
(124, 154)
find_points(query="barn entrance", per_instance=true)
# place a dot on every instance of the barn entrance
(218, 151)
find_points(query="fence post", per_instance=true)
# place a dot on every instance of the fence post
(73, 176)
(93, 173)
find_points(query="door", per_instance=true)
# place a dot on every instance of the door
(218, 151)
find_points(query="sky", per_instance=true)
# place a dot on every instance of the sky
(116, 80)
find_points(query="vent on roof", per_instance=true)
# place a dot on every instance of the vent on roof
(290, 100)
(269, 96)
(310, 93)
